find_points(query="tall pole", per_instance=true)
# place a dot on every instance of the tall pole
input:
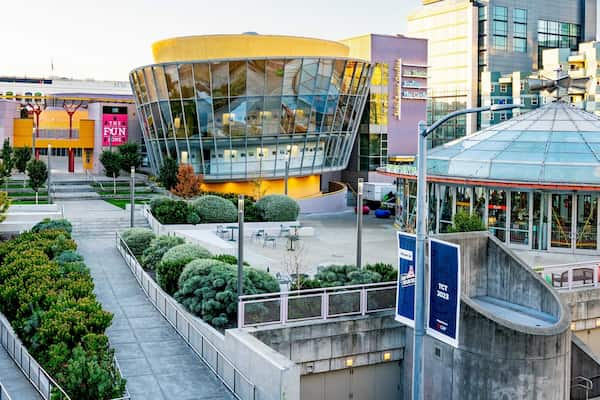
(359, 218)
(240, 261)
(132, 194)
(49, 175)
(417, 390)
(287, 172)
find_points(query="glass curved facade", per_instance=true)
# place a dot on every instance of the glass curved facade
(241, 119)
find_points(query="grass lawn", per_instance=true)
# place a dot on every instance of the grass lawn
(121, 202)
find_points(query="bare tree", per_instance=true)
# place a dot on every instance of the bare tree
(293, 262)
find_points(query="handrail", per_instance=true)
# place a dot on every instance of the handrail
(3, 393)
(319, 290)
(186, 328)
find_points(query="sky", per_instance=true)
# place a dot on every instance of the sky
(105, 39)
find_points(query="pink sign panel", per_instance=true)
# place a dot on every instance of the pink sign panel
(114, 129)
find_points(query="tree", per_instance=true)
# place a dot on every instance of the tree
(112, 166)
(4, 204)
(22, 157)
(38, 174)
(167, 175)
(7, 159)
(130, 156)
(465, 222)
(188, 183)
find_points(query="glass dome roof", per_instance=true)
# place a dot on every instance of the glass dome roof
(555, 144)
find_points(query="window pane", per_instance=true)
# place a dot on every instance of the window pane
(519, 218)
(178, 122)
(219, 73)
(309, 74)
(161, 84)
(500, 13)
(205, 116)
(152, 95)
(172, 79)
(274, 72)
(237, 78)
(142, 84)
(256, 77)
(202, 78)
(187, 82)
(497, 213)
(291, 76)
(191, 119)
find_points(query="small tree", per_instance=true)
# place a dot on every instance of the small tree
(167, 175)
(22, 157)
(7, 159)
(465, 222)
(112, 166)
(4, 204)
(130, 156)
(188, 183)
(38, 174)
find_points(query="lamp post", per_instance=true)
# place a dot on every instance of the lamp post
(49, 175)
(132, 195)
(419, 331)
(240, 262)
(287, 172)
(359, 218)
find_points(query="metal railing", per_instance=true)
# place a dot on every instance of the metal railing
(39, 378)
(221, 366)
(316, 304)
(4, 394)
(581, 387)
(571, 276)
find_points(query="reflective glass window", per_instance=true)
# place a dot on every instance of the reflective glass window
(165, 112)
(161, 83)
(172, 78)
(329, 113)
(254, 113)
(339, 67)
(562, 217)
(303, 108)
(317, 113)
(497, 213)
(520, 15)
(256, 77)
(152, 95)
(237, 78)
(479, 202)
(348, 75)
(191, 118)
(178, 121)
(157, 120)
(205, 116)
(446, 207)
(219, 73)
(519, 218)
(324, 76)
(142, 85)
(221, 108)
(236, 118)
(202, 80)
(288, 113)
(186, 81)
(358, 71)
(309, 75)
(587, 222)
(271, 115)
(291, 77)
(136, 87)
(274, 75)
(463, 199)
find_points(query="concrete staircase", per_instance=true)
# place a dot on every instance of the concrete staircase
(73, 190)
(106, 227)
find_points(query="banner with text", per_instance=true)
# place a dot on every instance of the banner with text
(405, 307)
(444, 291)
(114, 126)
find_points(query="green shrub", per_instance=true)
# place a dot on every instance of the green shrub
(173, 262)
(387, 271)
(213, 209)
(192, 218)
(169, 211)
(138, 239)
(465, 222)
(53, 224)
(228, 259)
(208, 289)
(158, 200)
(277, 207)
(157, 249)
(167, 175)
(68, 256)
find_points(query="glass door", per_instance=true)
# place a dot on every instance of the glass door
(561, 221)
(497, 213)
(586, 237)
(519, 218)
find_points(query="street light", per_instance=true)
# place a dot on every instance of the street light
(359, 218)
(287, 172)
(240, 271)
(132, 194)
(49, 175)
(419, 332)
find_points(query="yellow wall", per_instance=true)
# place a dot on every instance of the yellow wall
(213, 47)
(23, 136)
(300, 187)
(360, 46)
(59, 119)
(591, 337)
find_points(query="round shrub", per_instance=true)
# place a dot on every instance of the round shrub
(228, 259)
(138, 239)
(212, 209)
(170, 211)
(68, 256)
(157, 249)
(192, 218)
(53, 224)
(173, 261)
(277, 207)
(208, 289)
(158, 201)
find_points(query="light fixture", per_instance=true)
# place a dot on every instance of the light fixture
(360, 187)
(387, 356)
(177, 122)
(597, 322)
(573, 326)
(349, 362)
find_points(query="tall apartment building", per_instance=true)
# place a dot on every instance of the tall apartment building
(468, 38)
(397, 101)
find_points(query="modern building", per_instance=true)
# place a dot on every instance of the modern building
(247, 108)
(77, 118)
(397, 101)
(468, 38)
(533, 181)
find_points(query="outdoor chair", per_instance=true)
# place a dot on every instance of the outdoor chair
(581, 276)
(284, 230)
(221, 231)
(269, 239)
(258, 234)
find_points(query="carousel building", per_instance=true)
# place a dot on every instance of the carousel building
(534, 181)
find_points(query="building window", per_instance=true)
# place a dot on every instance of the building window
(500, 28)
(553, 34)
(503, 116)
(520, 30)
(503, 88)
(520, 45)
(534, 101)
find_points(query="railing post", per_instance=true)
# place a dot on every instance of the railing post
(570, 278)
(283, 308)
(324, 306)
(363, 301)
(595, 269)
(240, 323)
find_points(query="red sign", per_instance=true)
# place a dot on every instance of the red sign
(114, 129)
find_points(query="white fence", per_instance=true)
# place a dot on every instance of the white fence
(224, 369)
(4, 394)
(316, 304)
(565, 277)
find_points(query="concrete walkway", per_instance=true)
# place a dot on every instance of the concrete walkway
(156, 362)
(14, 381)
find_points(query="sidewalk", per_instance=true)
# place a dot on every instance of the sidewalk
(14, 381)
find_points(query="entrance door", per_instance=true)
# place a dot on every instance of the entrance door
(574, 222)
(586, 232)
(561, 224)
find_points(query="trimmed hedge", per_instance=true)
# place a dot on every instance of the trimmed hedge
(169, 211)
(214, 209)
(55, 313)
(53, 224)
(227, 259)
(138, 239)
(208, 289)
(173, 262)
(277, 207)
(157, 249)
(345, 275)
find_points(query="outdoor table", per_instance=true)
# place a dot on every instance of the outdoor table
(291, 240)
(295, 226)
(232, 228)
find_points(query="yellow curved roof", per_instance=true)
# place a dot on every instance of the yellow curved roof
(212, 47)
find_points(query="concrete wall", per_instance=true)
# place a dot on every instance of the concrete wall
(8, 113)
(585, 311)
(328, 203)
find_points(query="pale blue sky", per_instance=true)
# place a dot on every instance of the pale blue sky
(105, 39)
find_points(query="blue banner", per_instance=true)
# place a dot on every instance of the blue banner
(444, 291)
(405, 307)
